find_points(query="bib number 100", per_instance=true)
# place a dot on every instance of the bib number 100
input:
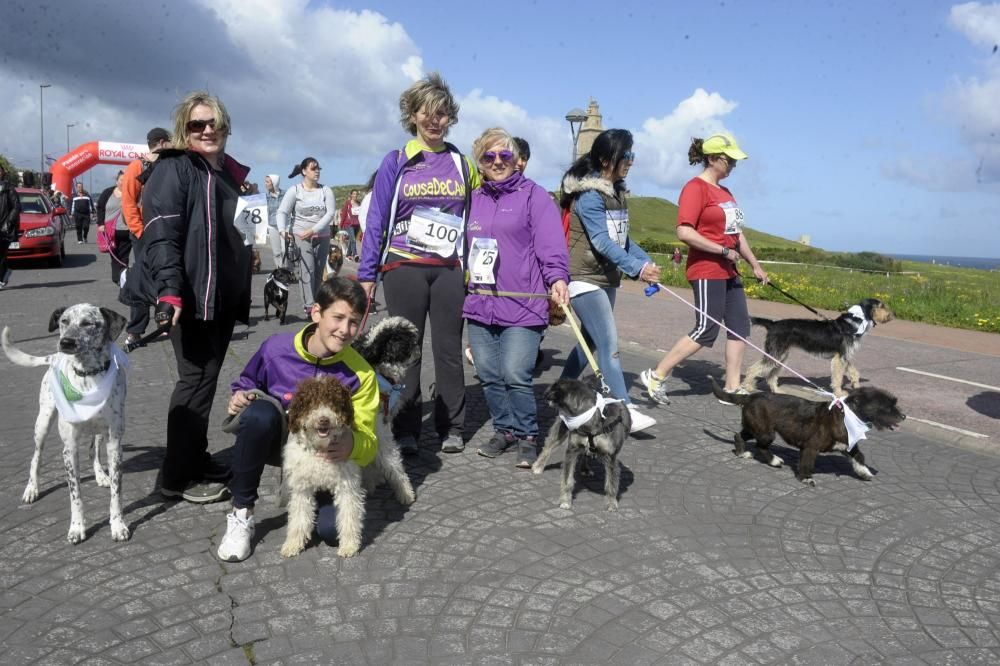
(442, 232)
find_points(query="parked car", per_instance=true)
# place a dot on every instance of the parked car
(42, 230)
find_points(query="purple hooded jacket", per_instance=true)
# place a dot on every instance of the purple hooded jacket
(525, 222)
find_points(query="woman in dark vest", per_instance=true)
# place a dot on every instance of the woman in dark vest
(600, 251)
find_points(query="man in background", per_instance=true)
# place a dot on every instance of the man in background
(157, 139)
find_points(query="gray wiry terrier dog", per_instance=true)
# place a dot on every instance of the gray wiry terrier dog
(808, 425)
(602, 435)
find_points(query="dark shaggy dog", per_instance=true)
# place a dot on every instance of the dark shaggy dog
(334, 261)
(390, 346)
(601, 436)
(837, 339)
(813, 427)
(276, 293)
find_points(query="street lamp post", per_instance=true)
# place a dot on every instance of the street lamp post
(68, 125)
(575, 117)
(41, 121)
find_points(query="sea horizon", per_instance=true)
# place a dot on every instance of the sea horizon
(983, 263)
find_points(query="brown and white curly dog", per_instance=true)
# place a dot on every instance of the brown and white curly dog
(320, 411)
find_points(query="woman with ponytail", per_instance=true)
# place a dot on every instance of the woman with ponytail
(311, 207)
(711, 224)
(600, 251)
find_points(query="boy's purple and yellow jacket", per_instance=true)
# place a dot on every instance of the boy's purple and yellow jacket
(283, 361)
(525, 222)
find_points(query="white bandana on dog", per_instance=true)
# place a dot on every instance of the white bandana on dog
(574, 422)
(856, 428)
(74, 405)
(281, 286)
(864, 324)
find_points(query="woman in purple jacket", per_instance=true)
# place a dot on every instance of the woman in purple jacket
(517, 259)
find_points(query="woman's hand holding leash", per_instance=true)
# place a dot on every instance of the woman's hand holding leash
(650, 273)
(558, 293)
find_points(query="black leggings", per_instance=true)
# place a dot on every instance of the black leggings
(82, 221)
(438, 293)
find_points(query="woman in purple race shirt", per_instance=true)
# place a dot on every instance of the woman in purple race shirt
(517, 260)
(414, 239)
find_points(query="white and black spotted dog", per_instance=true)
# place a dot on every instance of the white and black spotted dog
(587, 424)
(390, 347)
(85, 386)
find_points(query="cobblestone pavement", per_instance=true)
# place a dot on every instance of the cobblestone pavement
(711, 559)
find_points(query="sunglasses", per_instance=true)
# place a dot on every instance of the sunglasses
(490, 156)
(315, 167)
(629, 156)
(197, 126)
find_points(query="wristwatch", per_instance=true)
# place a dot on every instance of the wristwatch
(725, 251)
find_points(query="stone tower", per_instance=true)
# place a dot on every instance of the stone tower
(592, 126)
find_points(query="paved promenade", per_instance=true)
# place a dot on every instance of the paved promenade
(711, 559)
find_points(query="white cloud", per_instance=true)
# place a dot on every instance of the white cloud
(663, 143)
(979, 22)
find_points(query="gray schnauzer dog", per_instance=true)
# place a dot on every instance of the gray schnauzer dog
(587, 424)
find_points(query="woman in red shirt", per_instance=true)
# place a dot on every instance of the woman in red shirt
(710, 223)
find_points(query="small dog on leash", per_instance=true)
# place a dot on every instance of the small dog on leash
(276, 293)
(837, 339)
(320, 412)
(586, 425)
(390, 347)
(85, 385)
(811, 426)
(334, 261)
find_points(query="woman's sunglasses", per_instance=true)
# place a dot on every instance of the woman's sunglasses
(490, 156)
(198, 126)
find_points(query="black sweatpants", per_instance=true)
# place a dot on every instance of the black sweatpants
(438, 293)
(82, 221)
(200, 349)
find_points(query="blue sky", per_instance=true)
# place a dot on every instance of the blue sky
(869, 125)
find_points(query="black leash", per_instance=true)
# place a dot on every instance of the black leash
(789, 296)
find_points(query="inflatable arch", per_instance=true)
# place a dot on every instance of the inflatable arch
(88, 155)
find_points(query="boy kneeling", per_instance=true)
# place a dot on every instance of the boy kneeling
(269, 380)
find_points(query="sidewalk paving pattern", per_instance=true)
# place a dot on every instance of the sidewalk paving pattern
(710, 560)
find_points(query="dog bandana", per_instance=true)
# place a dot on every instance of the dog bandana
(574, 422)
(390, 393)
(856, 428)
(74, 405)
(281, 286)
(864, 324)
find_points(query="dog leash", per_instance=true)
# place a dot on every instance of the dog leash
(586, 349)
(787, 295)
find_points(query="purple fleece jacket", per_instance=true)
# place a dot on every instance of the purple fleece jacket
(525, 222)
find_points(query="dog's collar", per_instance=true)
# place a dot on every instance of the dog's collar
(281, 285)
(862, 323)
(575, 422)
(856, 428)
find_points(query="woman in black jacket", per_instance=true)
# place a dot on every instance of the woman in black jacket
(196, 269)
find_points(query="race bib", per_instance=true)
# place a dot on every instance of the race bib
(434, 231)
(618, 226)
(483, 260)
(251, 218)
(734, 217)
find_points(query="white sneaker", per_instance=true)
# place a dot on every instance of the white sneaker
(639, 420)
(235, 546)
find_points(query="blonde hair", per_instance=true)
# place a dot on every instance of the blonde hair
(430, 94)
(182, 112)
(491, 137)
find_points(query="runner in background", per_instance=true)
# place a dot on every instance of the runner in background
(82, 209)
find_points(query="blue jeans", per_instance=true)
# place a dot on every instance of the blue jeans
(595, 310)
(505, 358)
